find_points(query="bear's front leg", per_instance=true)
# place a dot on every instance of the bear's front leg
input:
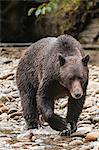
(45, 105)
(75, 107)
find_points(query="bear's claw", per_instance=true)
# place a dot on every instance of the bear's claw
(68, 130)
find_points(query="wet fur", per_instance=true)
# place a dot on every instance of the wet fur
(40, 81)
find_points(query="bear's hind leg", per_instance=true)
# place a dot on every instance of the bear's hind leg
(28, 101)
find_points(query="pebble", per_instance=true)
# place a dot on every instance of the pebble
(1, 104)
(3, 117)
(12, 110)
(4, 109)
(77, 138)
(84, 117)
(3, 99)
(97, 91)
(45, 137)
(10, 78)
(0, 112)
(47, 131)
(88, 103)
(7, 61)
(92, 136)
(63, 104)
(96, 119)
(85, 148)
(75, 143)
(15, 114)
(84, 130)
(26, 136)
(84, 122)
(33, 138)
(37, 147)
(94, 145)
(38, 141)
(18, 145)
(65, 145)
(78, 134)
(7, 91)
(16, 118)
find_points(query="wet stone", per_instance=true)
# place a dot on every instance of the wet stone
(37, 147)
(84, 130)
(84, 117)
(63, 104)
(3, 107)
(15, 94)
(15, 114)
(78, 134)
(1, 104)
(77, 138)
(64, 145)
(94, 145)
(75, 143)
(26, 136)
(84, 122)
(18, 145)
(96, 119)
(85, 148)
(10, 78)
(88, 103)
(97, 91)
(3, 117)
(38, 141)
(12, 110)
(6, 91)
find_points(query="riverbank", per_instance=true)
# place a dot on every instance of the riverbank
(13, 134)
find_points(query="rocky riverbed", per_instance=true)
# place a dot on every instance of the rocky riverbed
(13, 133)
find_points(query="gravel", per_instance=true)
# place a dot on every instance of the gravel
(13, 133)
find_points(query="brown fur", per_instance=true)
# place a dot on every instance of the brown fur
(49, 70)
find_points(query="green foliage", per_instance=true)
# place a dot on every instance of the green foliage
(31, 11)
(44, 8)
(49, 7)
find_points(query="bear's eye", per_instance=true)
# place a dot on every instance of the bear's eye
(80, 78)
(71, 78)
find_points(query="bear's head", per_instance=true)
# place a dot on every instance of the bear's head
(74, 74)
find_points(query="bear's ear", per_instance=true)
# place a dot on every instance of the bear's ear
(85, 60)
(61, 59)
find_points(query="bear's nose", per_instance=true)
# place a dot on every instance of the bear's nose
(77, 95)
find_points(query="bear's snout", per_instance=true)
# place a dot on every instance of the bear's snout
(76, 90)
(78, 94)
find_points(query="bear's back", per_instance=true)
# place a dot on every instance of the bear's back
(49, 47)
(42, 56)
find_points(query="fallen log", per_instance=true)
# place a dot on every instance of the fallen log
(90, 46)
(85, 46)
(15, 44)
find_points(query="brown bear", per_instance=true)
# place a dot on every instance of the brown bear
(50, 69)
